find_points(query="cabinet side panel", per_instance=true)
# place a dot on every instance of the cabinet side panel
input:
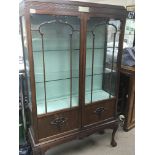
(26, 61)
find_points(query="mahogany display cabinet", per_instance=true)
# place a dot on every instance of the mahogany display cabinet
(72, 52)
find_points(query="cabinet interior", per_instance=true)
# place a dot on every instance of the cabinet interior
(56, 51)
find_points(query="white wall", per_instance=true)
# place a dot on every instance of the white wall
(130, 2)
(112, 2)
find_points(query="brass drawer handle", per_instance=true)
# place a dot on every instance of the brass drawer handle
(99, 111)
(59, 122)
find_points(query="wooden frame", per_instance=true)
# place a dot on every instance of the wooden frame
(129, 110)
(41, 144)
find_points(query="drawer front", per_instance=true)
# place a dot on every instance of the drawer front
(99, 111)
(57, 123)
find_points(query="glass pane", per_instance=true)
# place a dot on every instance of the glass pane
(27, 68)
(101, 58)
(110, 78)
(56, 61)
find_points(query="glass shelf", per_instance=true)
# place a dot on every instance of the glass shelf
(57, 76)
(63, 102)
(68, 50)
(57, 50)
(57, 104)
(97, 96)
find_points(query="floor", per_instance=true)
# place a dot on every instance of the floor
(99, 145)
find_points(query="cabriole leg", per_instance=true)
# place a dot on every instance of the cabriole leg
(113, 142)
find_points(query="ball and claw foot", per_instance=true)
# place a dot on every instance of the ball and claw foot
(113, 143)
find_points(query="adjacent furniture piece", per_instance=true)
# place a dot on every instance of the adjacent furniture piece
(72, 68)
(127, 96)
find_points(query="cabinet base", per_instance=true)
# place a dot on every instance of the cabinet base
(41, 147)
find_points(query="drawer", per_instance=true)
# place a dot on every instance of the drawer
(57, 123)
(99, 111)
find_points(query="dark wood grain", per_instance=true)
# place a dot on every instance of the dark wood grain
(130, 108)
(32, 78)
(91, 116)
(127, 96)
(46, 128)
(119, 58)
(51, 142)
(113, 142)
(83, 70)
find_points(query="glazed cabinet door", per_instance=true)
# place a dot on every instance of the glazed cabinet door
(55, 43)
(101, 69)
(56, 49)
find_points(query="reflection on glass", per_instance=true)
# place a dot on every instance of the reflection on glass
(56, 61)
(25, 49)
(101, 59)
